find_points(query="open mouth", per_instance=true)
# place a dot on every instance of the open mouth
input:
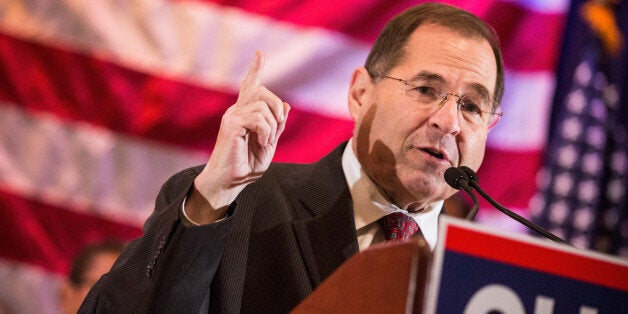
(434, 153)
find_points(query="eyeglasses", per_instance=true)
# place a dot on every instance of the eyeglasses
(476, 109)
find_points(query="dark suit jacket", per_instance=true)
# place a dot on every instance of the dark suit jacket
(285, 234)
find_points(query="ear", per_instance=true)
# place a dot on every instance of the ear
(359, 92)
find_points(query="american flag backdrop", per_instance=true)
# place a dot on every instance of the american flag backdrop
(102, 100)
(583, 184)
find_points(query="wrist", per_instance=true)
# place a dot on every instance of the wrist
(200, 211)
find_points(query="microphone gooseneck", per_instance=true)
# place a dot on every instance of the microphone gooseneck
(458, 179)
(474, 182)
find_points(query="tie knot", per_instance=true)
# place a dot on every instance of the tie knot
(398, 226)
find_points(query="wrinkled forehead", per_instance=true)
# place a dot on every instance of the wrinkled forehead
(439, 54)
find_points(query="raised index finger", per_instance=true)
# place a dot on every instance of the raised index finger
(254, 75)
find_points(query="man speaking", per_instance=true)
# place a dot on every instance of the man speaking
(243, 235)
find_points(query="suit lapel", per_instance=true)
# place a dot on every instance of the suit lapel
(329, 237)
(325, 240)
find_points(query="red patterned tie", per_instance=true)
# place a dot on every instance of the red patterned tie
(398, 226)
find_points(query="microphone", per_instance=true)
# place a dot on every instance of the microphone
(458, 179)
(473, 177)
(474, 182)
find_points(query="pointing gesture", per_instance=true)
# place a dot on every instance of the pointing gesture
(245, 146)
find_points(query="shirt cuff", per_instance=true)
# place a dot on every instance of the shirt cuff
(186, 219)
(189, 222)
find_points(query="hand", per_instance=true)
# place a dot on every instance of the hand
(245, 146)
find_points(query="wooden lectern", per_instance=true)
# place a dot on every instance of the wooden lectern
(388, 278)
(475, 269)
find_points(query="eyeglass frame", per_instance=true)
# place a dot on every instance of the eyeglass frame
(494, 114)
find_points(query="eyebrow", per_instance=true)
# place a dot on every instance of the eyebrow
(482, 90)
(427, 76)
(434, 77)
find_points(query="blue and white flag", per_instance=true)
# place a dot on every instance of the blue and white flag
(582, 185)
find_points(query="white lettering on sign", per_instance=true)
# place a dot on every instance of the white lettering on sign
(502, 299)
(497, 298)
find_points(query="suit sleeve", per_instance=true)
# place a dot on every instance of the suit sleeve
(170, 267)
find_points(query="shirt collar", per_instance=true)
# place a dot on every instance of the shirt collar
(370, 203)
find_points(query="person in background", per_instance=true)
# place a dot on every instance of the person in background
(90, 263)
(244, 235)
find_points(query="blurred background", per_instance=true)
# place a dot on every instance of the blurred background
(102, 100)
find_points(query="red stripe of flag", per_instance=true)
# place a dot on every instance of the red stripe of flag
(528, 38)
(360, 19)
(77, 87)
(49, 236)
(509, 176)
(518, 26)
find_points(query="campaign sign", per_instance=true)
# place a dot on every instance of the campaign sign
(477, 270)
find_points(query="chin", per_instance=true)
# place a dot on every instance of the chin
(427, 188)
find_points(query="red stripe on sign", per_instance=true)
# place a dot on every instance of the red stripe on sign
(538, 258)
(509, 176)
(48, 236)
(530, 40)
(77, 87)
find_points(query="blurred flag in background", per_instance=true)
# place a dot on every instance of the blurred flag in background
(583, 184)
(102, 100)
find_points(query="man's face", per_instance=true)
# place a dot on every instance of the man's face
(403, 146)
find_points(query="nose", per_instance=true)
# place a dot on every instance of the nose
(447, 116)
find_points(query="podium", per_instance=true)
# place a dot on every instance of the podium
(474, 269)
(388, 278)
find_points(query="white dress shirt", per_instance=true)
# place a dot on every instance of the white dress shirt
(370, 204)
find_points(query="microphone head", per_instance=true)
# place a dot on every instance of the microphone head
(454, 177)
(473, 177)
